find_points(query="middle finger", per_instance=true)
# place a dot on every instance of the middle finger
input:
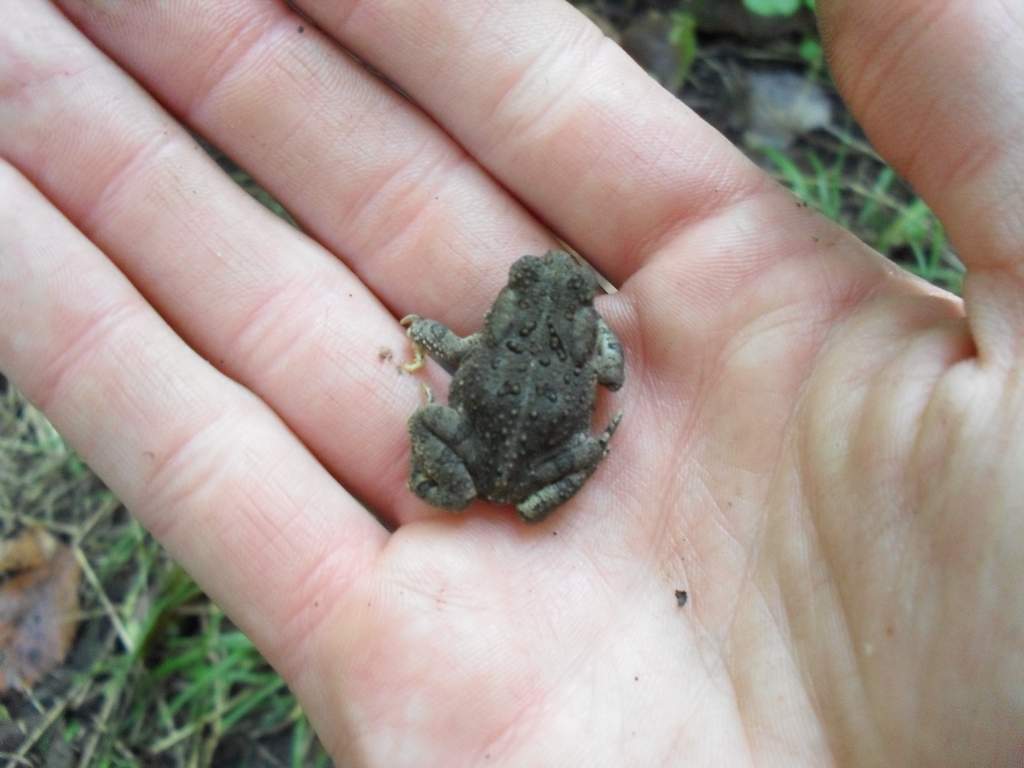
(364, 171)
(270, 307)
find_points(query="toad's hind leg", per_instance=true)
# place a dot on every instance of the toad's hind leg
(565, 473)
(439, 475)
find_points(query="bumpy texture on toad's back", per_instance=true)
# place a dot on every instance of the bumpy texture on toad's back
(517, 425)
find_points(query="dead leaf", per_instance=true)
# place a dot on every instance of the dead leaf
(29, 549)
(38, 607)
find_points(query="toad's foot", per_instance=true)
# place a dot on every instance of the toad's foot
(417, 361)
(565, 473)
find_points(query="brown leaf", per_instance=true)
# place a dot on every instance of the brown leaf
(38, 607)
(29, 549)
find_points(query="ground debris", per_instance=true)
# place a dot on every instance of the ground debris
(38, 606)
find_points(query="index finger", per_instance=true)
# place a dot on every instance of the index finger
(557, 112)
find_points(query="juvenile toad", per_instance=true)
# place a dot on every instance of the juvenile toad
(516, 428)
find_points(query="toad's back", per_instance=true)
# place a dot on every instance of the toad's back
(528, 387)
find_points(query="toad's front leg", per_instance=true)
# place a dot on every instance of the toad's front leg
(563, 474)
(609, 361)
(438, 341)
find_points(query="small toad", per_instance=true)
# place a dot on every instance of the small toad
(516, 429)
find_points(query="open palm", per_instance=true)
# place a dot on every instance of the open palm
(823, 452)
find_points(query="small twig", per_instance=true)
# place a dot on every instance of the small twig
(110, 503)
(171, 739)
(269, 756)
(216, 732)
(49, 719)
(852, 142)
(12, 759)
(35, 702)
(79, 697)
(111, 697)
(94, 582)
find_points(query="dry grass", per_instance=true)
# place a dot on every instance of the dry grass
(158, 676)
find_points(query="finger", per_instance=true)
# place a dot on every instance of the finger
(363, 170)
(937, 87)
(558, 113)
(207, 467)
(274, 310)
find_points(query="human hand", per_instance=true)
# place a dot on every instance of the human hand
(823, 451)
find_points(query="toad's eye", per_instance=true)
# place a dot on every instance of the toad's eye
(524, 272)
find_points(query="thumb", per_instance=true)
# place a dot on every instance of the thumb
(937, 86)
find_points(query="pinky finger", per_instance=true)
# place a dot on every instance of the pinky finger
(202, 462)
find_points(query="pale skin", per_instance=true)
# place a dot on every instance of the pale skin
(825, 453)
